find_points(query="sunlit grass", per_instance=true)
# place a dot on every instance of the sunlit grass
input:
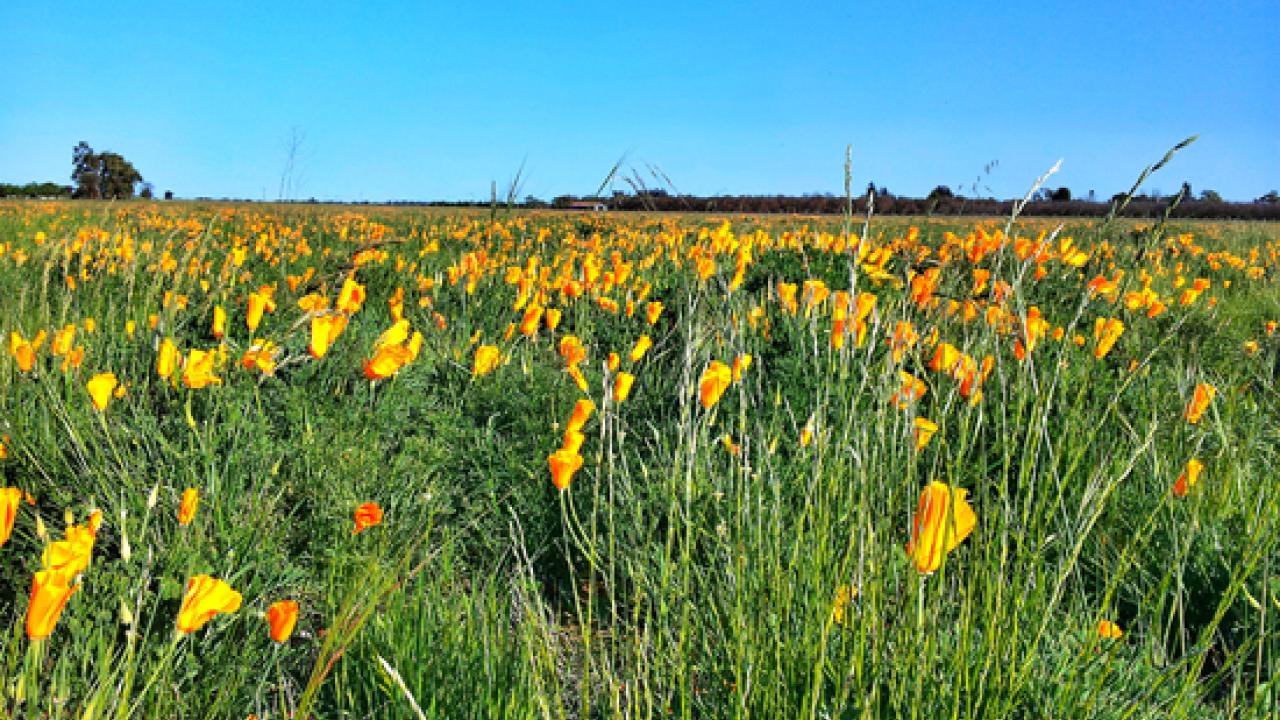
(732, 534)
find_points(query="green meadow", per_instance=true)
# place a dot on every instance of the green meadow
(765, 554)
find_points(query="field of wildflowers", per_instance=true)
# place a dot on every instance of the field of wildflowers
(297, 461)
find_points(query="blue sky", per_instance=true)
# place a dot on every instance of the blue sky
(430, 100)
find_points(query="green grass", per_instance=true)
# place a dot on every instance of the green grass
(674, 578)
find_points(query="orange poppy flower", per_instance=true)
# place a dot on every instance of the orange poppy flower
(101, 387)
(394, 335)
(944, 358)
(806, 434)
(10, 499)
(282, 616)
(24, 351)
(529, 322)
(581, 414)
(1189, 477)
(262, 356)
(1109, 630)
(313, 302)
(730, 446)
(923, 286)
(904, 338)
(1105, 333)
(396, 305)
(50, 591)
(564, 465)
(219, 322)
(187, 510)
(1200, 400)
(573, 440)
(578, 378)
(814, 292)
(386, 362)
(911, 390)
(63, 340)
(168, 359)
(73, 358)
(487, 359)
(572, 350)
(1034, 328)
(924, 431)
(205, 597)
(652, 312)
(715, 380)
(839, 329)
(864, 304)
(622, 386)
(259, 302)
(643, 343)
(367, 515)
(943, 520)
(324, 330)
(414, 346)
(73, 554)
(198, 369)
(351, 297)
(840, 606)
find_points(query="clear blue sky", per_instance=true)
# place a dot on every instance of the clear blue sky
(418, 100)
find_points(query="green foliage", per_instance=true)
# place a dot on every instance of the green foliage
(35, 190)
(103, 175)
(694, 566)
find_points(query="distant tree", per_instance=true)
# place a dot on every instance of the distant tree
(102, 175)
(147, 192)
(85, 172)
(168, 194)
(1186, 191)
(1062, 194)
(939, 193)
(120, 178)
(1210, 196)
(1271, 197)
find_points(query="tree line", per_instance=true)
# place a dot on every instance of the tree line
(941, 201)
(1266, 207)
(108, 175)
(35, 190)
